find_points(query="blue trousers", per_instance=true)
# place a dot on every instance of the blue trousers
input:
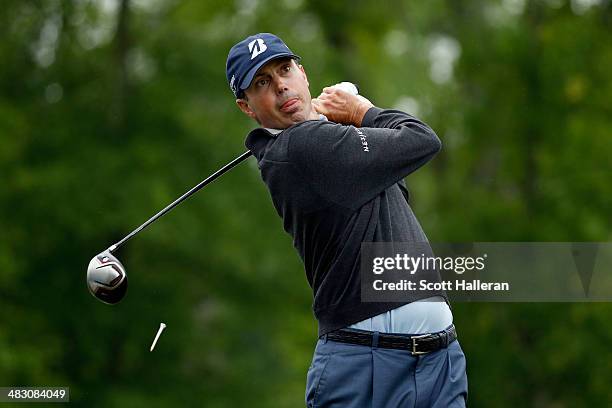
(353, 376)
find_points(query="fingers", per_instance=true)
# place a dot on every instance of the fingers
(333, 90)
(326, 92)
(331, 100)
(331, 94)
(341, 106)
(319, 103)
(318, 106)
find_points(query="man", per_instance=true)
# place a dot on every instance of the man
(334, 167)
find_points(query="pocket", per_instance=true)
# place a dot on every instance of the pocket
(458, 359)
(458, 373)
(320, 360)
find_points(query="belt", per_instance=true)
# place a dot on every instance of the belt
(416, 344)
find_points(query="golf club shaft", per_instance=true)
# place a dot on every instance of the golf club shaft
(182, 198)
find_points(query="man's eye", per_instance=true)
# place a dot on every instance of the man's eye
(262, 82)
(287, 68)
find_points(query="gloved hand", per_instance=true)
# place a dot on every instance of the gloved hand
(341, 106)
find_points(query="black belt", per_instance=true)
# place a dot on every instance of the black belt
(417, 344)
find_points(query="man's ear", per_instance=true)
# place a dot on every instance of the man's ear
(244, 106)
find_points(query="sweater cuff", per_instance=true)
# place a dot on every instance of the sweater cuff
(368, 118)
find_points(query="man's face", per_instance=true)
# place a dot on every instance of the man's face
(278, 96)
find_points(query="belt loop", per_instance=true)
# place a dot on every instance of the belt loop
(325, 339)
(375, 339)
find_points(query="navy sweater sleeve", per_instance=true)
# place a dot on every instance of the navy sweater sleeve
(350, 166)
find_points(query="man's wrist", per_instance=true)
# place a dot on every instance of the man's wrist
(360, 113)
(370, 116)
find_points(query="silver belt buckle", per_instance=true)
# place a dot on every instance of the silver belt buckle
(414, 344)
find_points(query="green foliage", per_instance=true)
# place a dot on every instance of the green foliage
(108, 114)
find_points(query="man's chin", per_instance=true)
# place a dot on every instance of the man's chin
(289, 120)
(297, 117)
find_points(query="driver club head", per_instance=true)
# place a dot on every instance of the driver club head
(106, 278)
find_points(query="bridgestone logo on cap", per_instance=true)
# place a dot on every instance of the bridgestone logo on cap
(256, 47)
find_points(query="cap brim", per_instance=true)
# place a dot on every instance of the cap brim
(246, 81)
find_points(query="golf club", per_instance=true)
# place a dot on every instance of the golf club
(106, 276)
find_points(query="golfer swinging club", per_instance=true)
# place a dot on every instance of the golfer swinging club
(334, 166)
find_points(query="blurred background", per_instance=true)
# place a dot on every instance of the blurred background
(111, 109)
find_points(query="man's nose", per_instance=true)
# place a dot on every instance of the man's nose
(281, 85)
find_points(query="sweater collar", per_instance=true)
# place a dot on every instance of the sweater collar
(275, 132)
